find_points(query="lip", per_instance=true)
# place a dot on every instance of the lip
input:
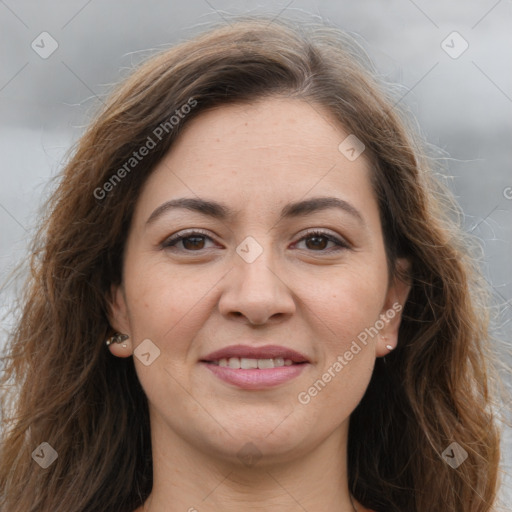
(256, 378)
(251, 352)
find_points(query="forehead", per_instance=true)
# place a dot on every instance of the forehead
(274, 151)
(270, 129)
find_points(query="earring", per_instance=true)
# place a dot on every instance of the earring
(117, 338)
(389, 347)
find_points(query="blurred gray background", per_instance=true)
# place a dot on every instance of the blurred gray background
(59, 59)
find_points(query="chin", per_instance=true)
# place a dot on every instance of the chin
(268, 441)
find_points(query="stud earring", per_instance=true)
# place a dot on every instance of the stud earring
(117, 338)
(389, 347)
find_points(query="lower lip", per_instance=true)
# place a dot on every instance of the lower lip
(255, 378)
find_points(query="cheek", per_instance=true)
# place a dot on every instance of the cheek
(347, 303)
(168, 303)
(164, 306)
(345, 309)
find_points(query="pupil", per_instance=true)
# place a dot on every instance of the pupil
(196, 242)
(320, 241)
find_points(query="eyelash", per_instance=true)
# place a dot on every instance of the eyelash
(174, 239)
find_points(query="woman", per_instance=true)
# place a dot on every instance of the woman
(248, 294)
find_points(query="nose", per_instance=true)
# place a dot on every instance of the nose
(256, 292)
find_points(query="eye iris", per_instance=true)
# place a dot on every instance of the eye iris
(314, 241)
(320, 241)
(197, 242)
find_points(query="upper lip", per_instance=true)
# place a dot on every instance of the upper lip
(264, 352)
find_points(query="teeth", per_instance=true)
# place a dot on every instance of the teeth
(246, 363)
(266, 363)
(278, 361)
(234, 362)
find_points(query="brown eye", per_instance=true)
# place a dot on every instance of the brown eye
(191, 242)
(318, 241)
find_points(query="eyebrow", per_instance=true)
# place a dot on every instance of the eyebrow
(223, 212)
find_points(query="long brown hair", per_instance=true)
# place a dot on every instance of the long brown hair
(63, 387)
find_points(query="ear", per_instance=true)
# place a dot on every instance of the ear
(391, 314)
(119, 320)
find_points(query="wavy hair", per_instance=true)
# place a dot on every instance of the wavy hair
(61, 385)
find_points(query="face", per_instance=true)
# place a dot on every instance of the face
(287, 252)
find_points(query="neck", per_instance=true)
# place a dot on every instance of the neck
(186, 478)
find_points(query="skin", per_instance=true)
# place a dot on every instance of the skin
(192, 299)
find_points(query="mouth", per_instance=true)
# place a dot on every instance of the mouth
(254, 368)
(247, 363)
(248, 357)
